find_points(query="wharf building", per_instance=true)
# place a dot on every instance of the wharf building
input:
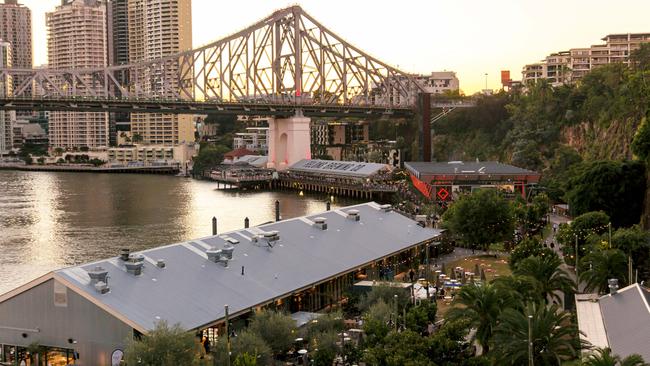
(77, 39)
(438, 82)
(159, 28)
(84, 314)
(570, 66)
(444, 181)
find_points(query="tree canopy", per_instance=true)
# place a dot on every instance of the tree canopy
(480, 219)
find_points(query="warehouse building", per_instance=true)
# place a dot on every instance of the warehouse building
(85, 314)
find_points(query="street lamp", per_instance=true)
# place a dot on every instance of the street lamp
(486, 75)
(530, 340)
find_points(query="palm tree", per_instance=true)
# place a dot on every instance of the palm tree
(603, 265)
(523, 289)
(547, 273)
(481, 306)
(604, 357)
(554, 336)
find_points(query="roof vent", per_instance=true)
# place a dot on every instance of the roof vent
(232, 241)
(124, 254)
(273, 235)
(101, 287)
(386, 208)
(227, 251)
(321, 223)
(613, 286)
(218, 256)
(137, 258)
(98, 274)
(134, 267)
(353, 215)
(160, 263)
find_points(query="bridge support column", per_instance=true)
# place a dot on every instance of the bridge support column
(424, 114)
(289, 141)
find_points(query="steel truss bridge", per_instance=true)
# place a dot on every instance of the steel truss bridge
(285, 61)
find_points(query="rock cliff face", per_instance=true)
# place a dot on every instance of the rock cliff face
(597, 142)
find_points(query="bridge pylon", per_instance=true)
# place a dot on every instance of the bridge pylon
(289, 141)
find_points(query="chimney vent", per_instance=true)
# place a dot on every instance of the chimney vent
(124, 254)
(134, 267)
(98, 274)
(227, 251)
(321, 223)
(101, 287)
(218, 256)
(613, 286)
(353, 215)
(232, 241)
(386, 208)
(161, 263)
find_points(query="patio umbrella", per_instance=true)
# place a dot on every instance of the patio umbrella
(483, 275)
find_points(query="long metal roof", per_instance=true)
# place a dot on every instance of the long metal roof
(192, 291)
(336, 167)
(626, 316)
(465, 167)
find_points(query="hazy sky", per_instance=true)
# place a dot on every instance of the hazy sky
(471, 37)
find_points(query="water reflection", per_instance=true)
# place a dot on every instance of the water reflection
(52, 220)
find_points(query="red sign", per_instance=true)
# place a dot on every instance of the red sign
(443, 194)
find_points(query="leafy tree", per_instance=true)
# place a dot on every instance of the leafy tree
(479, 219)
(553, 336)
(604, 357)
(376, 321)
(245, 359)
(635, 243)
(581, 227)
(529, 247)
(640, 57)
(641, 142)
(601, 265)
(418, 317)
(481, 307)
(41, 160)
(399, 348)
(165, 346)
(548, 275)
(137, 138)
(617, 188)
(385, 292)
(276, 329)
(245, 344)
(325, 343)
(208, 157)
(331, 322)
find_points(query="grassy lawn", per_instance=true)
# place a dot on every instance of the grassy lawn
(493, 267)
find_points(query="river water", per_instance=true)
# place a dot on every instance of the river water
(52, 220)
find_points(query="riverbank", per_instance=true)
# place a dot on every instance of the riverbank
(149, 169)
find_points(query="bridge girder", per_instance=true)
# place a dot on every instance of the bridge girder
(286, 58)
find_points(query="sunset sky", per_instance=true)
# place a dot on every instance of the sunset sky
(471, 37)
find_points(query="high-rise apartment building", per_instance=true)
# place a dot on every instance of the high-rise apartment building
(159, 28)
(77, 39)
(118, 54)
(7, 118)
(569, 66)
(16, 28)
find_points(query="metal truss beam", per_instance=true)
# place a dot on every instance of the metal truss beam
(284, 59)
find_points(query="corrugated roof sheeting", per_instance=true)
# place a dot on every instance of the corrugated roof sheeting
(626, 316)
(335, 167)
(192, 291)
(465, 167)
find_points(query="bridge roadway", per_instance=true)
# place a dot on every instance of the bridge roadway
(87, 104)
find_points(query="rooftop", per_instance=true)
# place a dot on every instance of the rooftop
(192, 290)
(620, 321)
(336, 167)
(465, 167)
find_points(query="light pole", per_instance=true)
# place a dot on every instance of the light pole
(486, 75)
(227, 336)
(396, 311)
(530, 340)
(577, 274)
